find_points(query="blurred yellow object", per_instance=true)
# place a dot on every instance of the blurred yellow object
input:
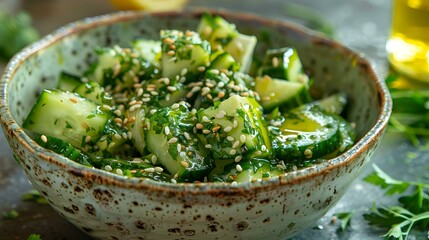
(148, 5)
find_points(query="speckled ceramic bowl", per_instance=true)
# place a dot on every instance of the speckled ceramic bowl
(109, 206)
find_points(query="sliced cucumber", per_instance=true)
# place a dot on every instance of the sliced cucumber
(183, 51)
(149, 50)
(225, 61)
(94, 92)
(137, 128)
(279, 93)
(172, 140)
(248, 171)
(68, 81)
(67, 116)
(216, 30)
(306, 133)
(283, 63)
(234, 128)
(223, 35)
(334, 103)
(64, 148)
(241, 49)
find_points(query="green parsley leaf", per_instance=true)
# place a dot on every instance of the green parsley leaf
(345, 218)
(381, 179)
(34, 237)
(13, 214)
(35, 196)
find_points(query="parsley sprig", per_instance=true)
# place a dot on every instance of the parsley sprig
(412, 212)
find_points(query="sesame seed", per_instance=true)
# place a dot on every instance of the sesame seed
(209, 84)
(119, 172)
(275, 62)
(238, 167)
(179, 147)
(153, 111)
(227, 129)
(168, 41)
(154, 93)
(73, 100)
(87, 139)
(201, 68)
(124, 135)
(167, 130)
(221, 94)
(294, 167)
(221, 84)
(308, 153)
(220, 115)
(206, 131)
(279, 166)
(199, 126)
(208, 146)
(175, 106)
(205, 91)
(214, 71)
(205, 119)
(129, 135)
(172, 88)
(238, 158)
(184, 164)
(263, 148)
(148, 125)
(237, 88)
(196, 89)
(214, 129)
(166, 81)
(149, 170)
(234, 183)
(236, 144)
(173, 180)
(108, 168)
(187, 136)
(172, 47)
(209, 96)
(125, 121)
(117, 112)
(184, 72)
(233, 152)
(146, 99)
(173, 59)
(242, 138)
(44, 138)
(107, 107)
(117, 136)
(172, 140)
(154, 158)
(158, 169)
(137, 160)
(132, 102)
(230, 138)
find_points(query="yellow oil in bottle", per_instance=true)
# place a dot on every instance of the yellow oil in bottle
(408, 43)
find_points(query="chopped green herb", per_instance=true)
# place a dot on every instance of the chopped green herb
(34, 237)
(13, 214)
(412, 211)
(34, 196)
(345, 218)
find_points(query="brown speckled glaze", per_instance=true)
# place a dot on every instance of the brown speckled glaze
(108, 206)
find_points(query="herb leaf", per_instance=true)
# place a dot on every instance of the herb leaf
(345, 218)
(384, 181)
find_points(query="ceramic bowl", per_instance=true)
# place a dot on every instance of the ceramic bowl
(108, 206)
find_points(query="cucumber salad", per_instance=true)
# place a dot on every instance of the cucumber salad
(184, 108)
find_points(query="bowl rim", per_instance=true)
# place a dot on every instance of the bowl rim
(106, 178)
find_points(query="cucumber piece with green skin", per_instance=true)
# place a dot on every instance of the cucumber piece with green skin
(173, 142)
(248, 170)
(279, 93)
(183, 50)
(234, 129)
(223, 35)
(305, 133)
(224, 61)
(132, 168)
(114, 141)
(162, 92)
(121, 66)
(94, 92)
(149, 50)
(334, 103)
(283, 63)
(68, 81)
(63, 148)
(67, 116)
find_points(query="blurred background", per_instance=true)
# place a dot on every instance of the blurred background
(363, 25)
